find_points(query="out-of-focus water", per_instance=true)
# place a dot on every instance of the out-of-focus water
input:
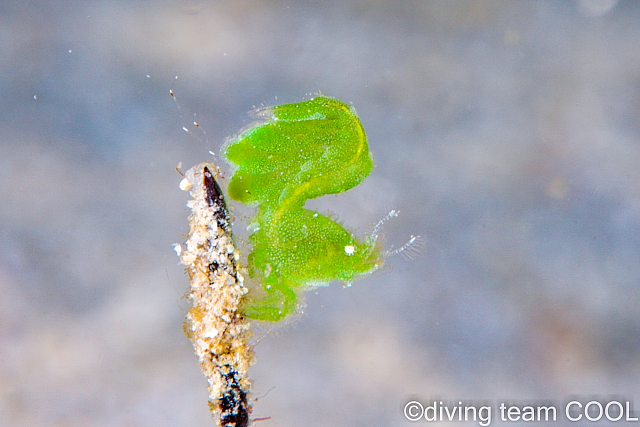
(506, 133)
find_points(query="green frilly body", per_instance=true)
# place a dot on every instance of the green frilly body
(301, 151)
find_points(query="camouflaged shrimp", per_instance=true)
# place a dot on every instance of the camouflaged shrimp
(215, 324)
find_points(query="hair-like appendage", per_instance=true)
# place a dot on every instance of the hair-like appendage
(215, 324)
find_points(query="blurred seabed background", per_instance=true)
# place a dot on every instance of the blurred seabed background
(506, 132)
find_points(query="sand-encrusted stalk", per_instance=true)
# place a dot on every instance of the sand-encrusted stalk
(214, 323)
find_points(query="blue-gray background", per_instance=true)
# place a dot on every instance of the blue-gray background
(506, 133)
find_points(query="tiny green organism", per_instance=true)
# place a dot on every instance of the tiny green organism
(299, 152)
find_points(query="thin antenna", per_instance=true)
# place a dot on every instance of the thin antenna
(195, 122)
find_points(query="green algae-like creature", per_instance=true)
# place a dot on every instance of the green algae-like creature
(299, 152)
